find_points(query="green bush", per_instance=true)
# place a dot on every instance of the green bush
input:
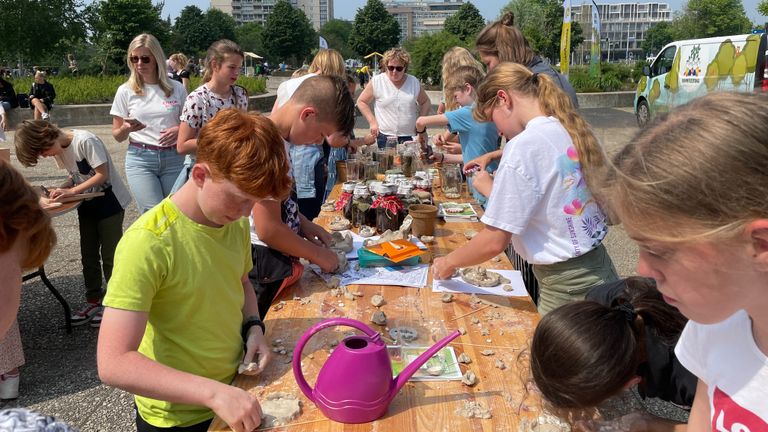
(101, 89)
(614, 77)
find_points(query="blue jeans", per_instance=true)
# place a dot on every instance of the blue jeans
(6, 106)
(381, 139)
(151, 174)
(186, 168)
(337, 154)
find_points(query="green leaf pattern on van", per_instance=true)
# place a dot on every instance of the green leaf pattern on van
(725, 57)
(671, 80)
(642, 84)
(655, 92)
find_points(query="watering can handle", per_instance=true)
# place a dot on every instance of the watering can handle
(333, 322)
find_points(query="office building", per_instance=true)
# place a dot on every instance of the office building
(319, 12)
(421, 17)
(622, 28)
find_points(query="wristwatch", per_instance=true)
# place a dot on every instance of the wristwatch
(250, 322)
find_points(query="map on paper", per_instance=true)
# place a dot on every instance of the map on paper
(415, 276)
(457, 285)
(444, 364)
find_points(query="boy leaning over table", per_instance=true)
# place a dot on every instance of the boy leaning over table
(180, 304)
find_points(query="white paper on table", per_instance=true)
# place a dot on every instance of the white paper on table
(415, 276)
(457, 285)
(357, 243)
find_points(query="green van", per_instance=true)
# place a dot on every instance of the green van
(685, 70)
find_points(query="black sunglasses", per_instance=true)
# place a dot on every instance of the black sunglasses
(397, 68)
(144, 59)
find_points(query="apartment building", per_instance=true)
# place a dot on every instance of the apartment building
(422, 16)
(319, 12)
(622, 28)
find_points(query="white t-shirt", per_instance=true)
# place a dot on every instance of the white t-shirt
(540, 196)
(396, 109)
(153, 109)
(86, 153)
(726, 357)
(2, 132)
(286, 89)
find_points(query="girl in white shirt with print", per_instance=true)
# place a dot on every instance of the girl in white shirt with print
(691, 191)
(540, 199)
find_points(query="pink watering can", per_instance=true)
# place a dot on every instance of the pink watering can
(355, 385)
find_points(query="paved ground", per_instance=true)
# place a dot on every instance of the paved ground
(60, 376)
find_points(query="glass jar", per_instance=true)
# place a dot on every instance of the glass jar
(451, 180)
(391, 143)
(387, 206)
(370, 168)
(344, 203)
(382, 156)
(353, 168)
(361, 207)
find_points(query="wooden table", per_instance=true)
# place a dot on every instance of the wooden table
(420, 406)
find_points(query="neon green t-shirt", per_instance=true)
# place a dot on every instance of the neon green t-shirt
(187, 277)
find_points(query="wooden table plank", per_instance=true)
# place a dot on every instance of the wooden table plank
(419, 405)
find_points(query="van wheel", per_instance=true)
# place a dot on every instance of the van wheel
(643, 114)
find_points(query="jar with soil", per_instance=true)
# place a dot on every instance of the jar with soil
(384, 159)
(362, 213)
(344, 202)
(388, 207)
(370, 168)
(451, 180)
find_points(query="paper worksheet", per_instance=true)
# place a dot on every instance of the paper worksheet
(457, 285)
(357, 243)
(415, 276)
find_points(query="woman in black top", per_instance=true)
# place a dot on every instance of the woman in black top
(622, 335)
(41, 96)
(180, 73)
(7, 95)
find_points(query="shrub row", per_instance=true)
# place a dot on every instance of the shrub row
(101, 89)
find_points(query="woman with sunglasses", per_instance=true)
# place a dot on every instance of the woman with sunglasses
(146, 110)
(399, 98)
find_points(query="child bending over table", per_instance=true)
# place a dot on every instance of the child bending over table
(623, 335)
(180, 304)
(90, 168)
(541, 197)
(320, 108)
(691, 191)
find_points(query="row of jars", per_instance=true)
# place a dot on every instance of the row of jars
(382, 205)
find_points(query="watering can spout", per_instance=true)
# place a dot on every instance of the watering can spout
(411, 369)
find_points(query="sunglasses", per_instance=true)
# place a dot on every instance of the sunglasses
(397, 68)
(144, 59)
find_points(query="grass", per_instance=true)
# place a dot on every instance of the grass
(101, 89)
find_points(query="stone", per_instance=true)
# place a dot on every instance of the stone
(500, 364)
(487, 352)
(343, 263)
(328, 207)
(406, 334)
(279, 409)
(377, 300)
(341, 241)
(464, 358)
(278, 306)
(469, 379)
(251, 368)
(475, 320)
(366, 231)
(333, 282)
(470, 234)
(507, 288)
(462, 330)
(435, 370)
(379, 318)
(427, 239)
(339, 224)
(485, 332)
(446, 298)
(305, 301)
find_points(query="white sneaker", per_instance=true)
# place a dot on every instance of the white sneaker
(46, 116)
(9, 386)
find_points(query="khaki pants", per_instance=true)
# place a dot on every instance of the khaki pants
(564, 282)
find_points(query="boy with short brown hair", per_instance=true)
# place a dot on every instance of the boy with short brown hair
(180, 303)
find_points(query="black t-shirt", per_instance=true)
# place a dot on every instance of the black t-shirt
(664, 377)
(178, 76)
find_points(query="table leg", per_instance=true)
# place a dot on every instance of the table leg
(67, 311)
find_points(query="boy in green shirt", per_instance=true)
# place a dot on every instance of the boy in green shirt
(180, 304)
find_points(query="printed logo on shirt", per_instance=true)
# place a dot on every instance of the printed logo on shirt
(729, 416)
(170, 104)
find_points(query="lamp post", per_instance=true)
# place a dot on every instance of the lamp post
(608, 42)
(629, 39)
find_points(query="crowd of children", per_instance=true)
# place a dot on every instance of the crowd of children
(689, 331)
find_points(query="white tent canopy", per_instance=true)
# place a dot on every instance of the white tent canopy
(249, 57)
(253, 55)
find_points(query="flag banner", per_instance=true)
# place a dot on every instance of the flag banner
(565, 38)
(323, 43)
(594, 53)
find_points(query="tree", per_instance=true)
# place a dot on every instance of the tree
(289, 35)
(708, 18)
(466, 23)
(427, 54)
(219, 25)
(374, 29)
(337, 32)
(36, 31)
(116, 22)
(187, 32)
(250, 37)
(657, 36)
(762, 7)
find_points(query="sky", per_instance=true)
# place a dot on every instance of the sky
(346, 9)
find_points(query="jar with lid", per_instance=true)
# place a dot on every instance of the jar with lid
(344, 202)
(451, 180)
(362, 213)
(388, 207)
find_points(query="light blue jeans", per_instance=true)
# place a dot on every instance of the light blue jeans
(151, 174)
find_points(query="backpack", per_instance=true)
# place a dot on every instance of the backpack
(23, 99)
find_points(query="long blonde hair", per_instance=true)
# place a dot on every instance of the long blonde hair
(513, 77)
(217, 52)
(505, 41)
(148, 41)
(700, 173)
(452, 60)
(328, 62)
